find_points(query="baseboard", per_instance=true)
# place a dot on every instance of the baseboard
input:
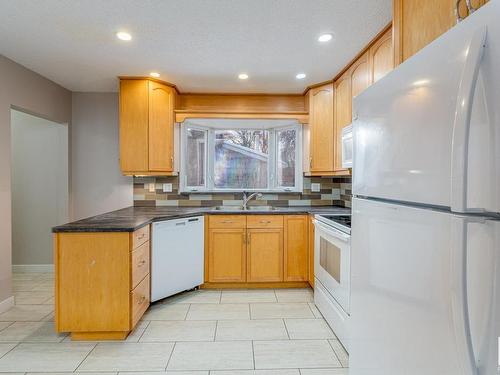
(6, 304)
(33, 268)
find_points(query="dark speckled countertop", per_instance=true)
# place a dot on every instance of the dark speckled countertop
(132, 218)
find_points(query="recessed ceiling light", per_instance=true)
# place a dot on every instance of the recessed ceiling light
(154, 74)
(300, 76)
(243, 76)
(325, 37)
(122, 35)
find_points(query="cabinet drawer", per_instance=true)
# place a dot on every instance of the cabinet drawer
(140, 263)
(265, 221)
(139, 298)
(140, 236)
(227, 221)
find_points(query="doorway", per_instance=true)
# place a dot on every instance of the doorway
(39, 165)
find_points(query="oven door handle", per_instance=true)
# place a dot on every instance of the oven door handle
(332, 231)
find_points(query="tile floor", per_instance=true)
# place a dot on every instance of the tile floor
(228, 332)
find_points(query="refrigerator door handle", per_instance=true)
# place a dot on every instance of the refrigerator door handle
(461, 126)
(459, 299)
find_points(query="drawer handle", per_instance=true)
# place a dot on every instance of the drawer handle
(141, 263)
(227, 221)
(141, 236)
(265, 221)
(141, 301)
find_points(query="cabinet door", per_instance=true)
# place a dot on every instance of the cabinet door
(381, 57)
(343, 114)
(419, 22)
(311, 249)
(161, 127)
(226, 255)
(265, 255)
(296, 248)
(134, 109)
(321, 128)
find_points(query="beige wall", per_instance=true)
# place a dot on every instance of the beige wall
(97, 183)
(25, 90)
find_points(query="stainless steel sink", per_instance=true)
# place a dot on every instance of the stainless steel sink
(240, 208)
(228, 208)
(261, 208)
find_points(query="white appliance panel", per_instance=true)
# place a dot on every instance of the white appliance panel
(408, 293)
(177, 256)
(409, 132)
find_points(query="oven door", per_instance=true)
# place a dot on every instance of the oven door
(332, 262)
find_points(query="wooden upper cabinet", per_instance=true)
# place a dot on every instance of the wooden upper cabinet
(134, 112)
(343, 114)
(418, 22)
(146, 126)
(321, 129)
(161, 127)
(381, 57)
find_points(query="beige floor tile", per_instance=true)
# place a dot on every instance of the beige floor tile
(340, 352)
(272, 329)
(294, 354)
(212, 356)
(127, 357)
(198, 296)
(316, 329)
(315, 311)
(159, 311)
(31, 332)
(218, 312)
(280, 310)
(248, 296)
(294, 295)
(325, 371)
(24, 285)
(31, 298)
(46, 357)
(166, 373)
(21, 276)
(5, 348)
(50, 301)
(26, 313)
(4, 325)
(257, 372)
(81, 373)
(179, 331)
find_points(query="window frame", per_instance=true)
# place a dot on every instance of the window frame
(272, 170)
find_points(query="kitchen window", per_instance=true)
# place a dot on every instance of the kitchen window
(240, 155)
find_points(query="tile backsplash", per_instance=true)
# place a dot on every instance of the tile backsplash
(334, 191)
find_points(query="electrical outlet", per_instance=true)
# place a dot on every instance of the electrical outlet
(315, 187)
(167, 188)
(152, 187)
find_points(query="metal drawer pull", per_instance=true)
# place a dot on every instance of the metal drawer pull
(265, 221)
(227, 222)
(141, 263)
(141, 236)
(141, 301)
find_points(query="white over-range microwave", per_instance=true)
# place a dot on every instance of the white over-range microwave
(347, 147)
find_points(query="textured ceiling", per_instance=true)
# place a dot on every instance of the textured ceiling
(200, 45)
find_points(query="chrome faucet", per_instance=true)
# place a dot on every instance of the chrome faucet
(247, 198)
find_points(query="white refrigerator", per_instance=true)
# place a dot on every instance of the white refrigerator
(425, 261)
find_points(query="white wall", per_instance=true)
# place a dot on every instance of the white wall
(97, 183)
(39, 164)
(21, 88)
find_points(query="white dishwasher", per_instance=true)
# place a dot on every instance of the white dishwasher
(177, 256)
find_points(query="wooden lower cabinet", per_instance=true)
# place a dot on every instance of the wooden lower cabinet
(257, 251)
(226, 255)
(265, 255)
(102, 283)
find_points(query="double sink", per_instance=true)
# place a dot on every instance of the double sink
(249, 208)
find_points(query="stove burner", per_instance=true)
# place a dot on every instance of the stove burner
(341, 219)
